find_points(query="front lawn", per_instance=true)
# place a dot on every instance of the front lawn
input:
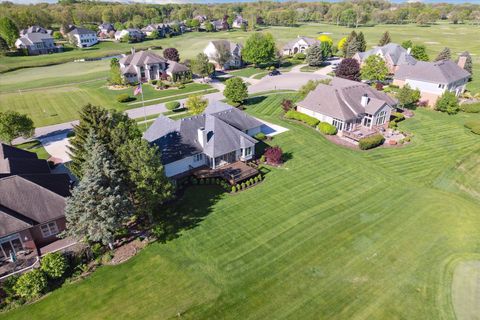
(36, 147)
(246, 72)
(332, 234)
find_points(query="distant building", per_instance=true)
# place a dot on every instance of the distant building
(432, 78)
(235, 50)
(82, 37)
(393, 54)
(160, 28)
(135, 34)
(35, 29)
(299, 45)
(37, 43)
(105, 29)
(239, 22)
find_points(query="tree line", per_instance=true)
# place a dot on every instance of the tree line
(348, 13)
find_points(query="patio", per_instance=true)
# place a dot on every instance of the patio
(358, 133)
(233, 172)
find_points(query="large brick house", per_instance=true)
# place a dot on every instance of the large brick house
(32, 202)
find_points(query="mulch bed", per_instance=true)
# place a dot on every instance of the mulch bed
(127, 251)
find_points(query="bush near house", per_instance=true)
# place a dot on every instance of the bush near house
(470, 108)
(395, 118)
(124, 97)
(54, 265)
(172, 105)
(295, 115)
(300, 56)
(31, 285)
(371, 142)
(260, 136)
(327, 128)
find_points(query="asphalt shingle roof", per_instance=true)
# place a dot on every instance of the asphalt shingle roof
(443, 72)
(396, 52)
(309, 41)
(142, 58)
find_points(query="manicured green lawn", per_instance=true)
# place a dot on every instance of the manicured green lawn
(60, 104)
(246, 72)
(333, 234)
(309, 69)
(36, 147)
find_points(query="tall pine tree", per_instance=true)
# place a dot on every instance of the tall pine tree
(361, 42)
(98, 206)
(385, 39)
(351, 45)
(445, 54)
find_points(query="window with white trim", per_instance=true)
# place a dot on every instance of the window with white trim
(248, 151)
(49, 229)
(198, 157)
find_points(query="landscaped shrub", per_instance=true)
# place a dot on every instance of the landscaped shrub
(238, 187)
(395, 118)
(300, 56)
(172, 105)
(371, 142)
(251, 181)
(327, 128)
(259, 177)
(287, 105)
(153, 82)
(260, 136)
(124, 97)
(54, 265)
(311, 121)
(243, 185)
(247, 183)
(31, 284)
(471, 107)
(472, 123)
(273, 155)
(234, 189)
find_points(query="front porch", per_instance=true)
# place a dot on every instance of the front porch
(232, 172)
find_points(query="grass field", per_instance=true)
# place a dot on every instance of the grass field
(333, 234)
(466, 290)
(36, 147)
(61, 104)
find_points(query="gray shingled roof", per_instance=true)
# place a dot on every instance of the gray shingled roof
(19, 166)
(234, 117)
(7, 151)
(443, 72)
(179, 139)
(309, 41)
(36, 37)
(82, 31)
(175, 67)
(142, 58)
(235, 48)
(396, 52)
(24, 204)
(341, 99)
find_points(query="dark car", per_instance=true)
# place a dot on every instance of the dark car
(274, 73)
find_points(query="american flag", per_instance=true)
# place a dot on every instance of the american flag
(137, 90)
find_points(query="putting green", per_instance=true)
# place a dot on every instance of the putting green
(466, 290)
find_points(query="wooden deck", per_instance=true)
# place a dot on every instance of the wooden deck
(233, 172)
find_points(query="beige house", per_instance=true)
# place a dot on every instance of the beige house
(299, 45)
(393, 54)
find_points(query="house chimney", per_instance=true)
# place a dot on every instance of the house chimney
(462, 60)
(364, 100)
(409, 50)
(201, 136)
(132, 50)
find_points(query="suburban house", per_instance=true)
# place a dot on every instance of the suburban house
(32, 202)
(37, 43)
(105, 29)
(393, 54)
(160, 28)
(348, 105)
(200, 18)
(134, 34)
(238, 22)
(220, 136)
(145, 66)
(299, 45)
(82, 37)
(213, 48)
(432, 78)
(35, 29)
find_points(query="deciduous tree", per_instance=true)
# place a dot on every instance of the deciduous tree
(223, 54)
(348, 69)
(259, 48)
(196, 104)
(14, 125)
(374, 68)
(408, 97)
(3, 46)
(236, 90)
(200, 65)
(8, 30)
(171, 54)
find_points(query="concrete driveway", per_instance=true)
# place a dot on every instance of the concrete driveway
(287, 81)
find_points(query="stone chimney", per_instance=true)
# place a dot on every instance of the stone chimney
(462, 60)
(201, 136)
(132, 50)
(364, 100)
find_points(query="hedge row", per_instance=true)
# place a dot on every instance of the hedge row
(124, 97)
(311, 121)
(205, 181)
(371, 142)
(395, 118)
(246, 184)
(327, 128)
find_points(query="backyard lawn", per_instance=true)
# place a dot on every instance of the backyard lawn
(333, 234)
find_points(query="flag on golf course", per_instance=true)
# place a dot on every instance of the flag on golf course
(137, 90)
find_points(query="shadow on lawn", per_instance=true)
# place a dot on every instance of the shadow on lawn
(254, 100)
(194, 205)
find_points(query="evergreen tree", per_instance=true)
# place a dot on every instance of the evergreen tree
(445, 54)
(3, 46)
(98, 207)
(385, 39)
(361, 42)
(352, 48)
(8, 31)
(115, 72)
(407, 44)
(315, 56)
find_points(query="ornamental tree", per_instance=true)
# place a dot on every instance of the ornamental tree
(325, 38)
(223, 54)
(14, 125)
(196, 104)
(408, 97)
(445, 54)
(361, 42)
(235, 90)
(200, 65)
(448, 103)
(407, 44)
(419, 52)
(115, 72)
(273, 155)
(208, 26)
(259, 48)
(374, 68)
(341, 45)
(171, 54)
(348, 69)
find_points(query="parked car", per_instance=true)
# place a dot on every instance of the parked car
(274, 73)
